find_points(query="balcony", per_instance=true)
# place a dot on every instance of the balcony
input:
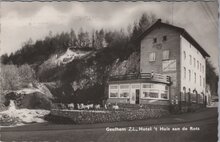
(148, 77)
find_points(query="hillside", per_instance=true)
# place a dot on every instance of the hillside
(84, 78)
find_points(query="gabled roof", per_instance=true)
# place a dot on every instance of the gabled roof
(182, 32)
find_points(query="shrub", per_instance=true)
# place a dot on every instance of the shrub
(92, 116)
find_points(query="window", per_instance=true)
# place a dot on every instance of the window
(189, 75)
(146, 85)
(155, 40)
(184, 69)
(194, 60)
(190, 59)
(154, 94)
(113, 94)
(164, 38)
(151, 93)
(124, 91)
(152, 57)
(124, 86)
(164, 94)
(197, 64)
(204, 82)
(113, 91)
(166, 54)
(154, 91)
(113, 87)
(195, 77)
(200, 80)
(184, 55)
(200, 67)
(136, 86)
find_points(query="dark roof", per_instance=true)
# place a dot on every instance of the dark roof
(182, 31)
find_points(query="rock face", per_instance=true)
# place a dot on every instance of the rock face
(131, 65)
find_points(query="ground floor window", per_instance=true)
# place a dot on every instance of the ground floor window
(124, 93)
(124, 90)
(154, 91)
(113, 94)
(147, 91)
(113, 91)
(164, 94)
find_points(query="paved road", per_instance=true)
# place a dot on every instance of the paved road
(202, 127)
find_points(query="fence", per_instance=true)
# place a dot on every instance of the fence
(149, 76)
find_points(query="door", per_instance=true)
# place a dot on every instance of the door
(137, 96)
(134, 87)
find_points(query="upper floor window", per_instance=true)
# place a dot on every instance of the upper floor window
(184, 69)
(152, 56)
(195, 77)
(189, 75)
(155, 40)
(194, 60)
(184, 55)
(166, 54)
(200, 67)
(197, 64)
(200, 80)
(190, 59)
(164, 38)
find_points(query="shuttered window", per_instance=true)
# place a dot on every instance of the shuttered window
(152, 57)
(166, 54)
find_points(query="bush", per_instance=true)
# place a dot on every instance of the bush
(6, 120)
(92, 116)
(58, 119)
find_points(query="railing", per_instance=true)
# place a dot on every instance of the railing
(149, 76)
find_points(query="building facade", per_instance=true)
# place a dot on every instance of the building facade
(172, 70)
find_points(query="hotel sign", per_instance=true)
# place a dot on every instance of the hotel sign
(169, 65)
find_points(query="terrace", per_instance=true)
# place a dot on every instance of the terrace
(146, 77)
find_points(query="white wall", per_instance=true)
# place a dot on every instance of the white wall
(191, 50)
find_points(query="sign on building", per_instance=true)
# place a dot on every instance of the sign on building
(169, 65)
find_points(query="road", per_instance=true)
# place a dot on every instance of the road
(191, 127)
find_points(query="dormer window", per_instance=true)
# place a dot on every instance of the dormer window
(155, 40)
(164, 38)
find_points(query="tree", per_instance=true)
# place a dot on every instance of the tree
(4, 58)
(211, 77)
(99, 39)
(14, 78)
(143, 24)
(83, 40)
(73, 38)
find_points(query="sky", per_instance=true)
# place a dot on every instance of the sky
(21, 21)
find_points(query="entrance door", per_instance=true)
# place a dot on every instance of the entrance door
(137, 92)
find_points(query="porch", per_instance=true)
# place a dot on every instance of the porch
(146, 77)
(144, 88)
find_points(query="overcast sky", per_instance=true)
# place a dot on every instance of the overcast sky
(23, 20)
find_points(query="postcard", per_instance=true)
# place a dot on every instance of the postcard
(109, 71)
